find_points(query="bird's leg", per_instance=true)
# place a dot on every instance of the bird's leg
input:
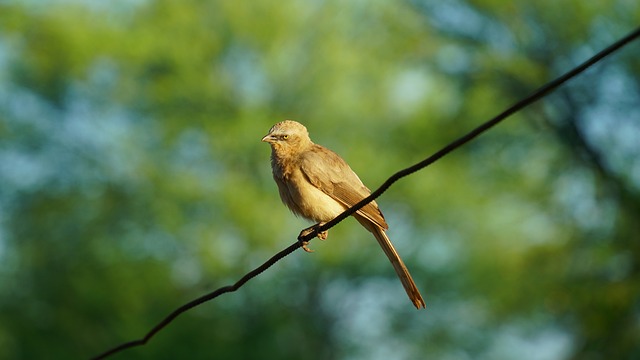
(322, 235)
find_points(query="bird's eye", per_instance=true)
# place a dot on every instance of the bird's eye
(285, 137)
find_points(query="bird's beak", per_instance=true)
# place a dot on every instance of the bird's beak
(267, 138)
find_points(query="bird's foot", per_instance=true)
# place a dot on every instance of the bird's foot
(305, 247)
(322, 235)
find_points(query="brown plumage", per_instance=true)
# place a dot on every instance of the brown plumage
(315, 183)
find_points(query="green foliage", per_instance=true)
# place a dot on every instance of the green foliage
(132, 178)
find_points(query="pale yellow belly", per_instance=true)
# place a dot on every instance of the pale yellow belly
(311, 202)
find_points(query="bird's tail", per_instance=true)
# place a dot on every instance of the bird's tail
(402, 271)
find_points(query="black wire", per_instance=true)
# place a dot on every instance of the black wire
(533, 97)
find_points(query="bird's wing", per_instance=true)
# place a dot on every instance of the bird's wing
(328, 172)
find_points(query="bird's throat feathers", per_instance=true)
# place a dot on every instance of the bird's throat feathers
(290, 149)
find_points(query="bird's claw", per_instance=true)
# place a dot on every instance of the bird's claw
(305, 247)
(322, 235)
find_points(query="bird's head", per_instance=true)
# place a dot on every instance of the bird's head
(287, 135)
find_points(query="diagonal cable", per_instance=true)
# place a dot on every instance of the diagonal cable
(533, 97)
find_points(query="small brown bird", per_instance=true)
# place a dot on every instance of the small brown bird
(315, 183)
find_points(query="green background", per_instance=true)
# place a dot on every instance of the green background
(133, 179)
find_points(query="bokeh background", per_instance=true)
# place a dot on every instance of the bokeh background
(133, 179)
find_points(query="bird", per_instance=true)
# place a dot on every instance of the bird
(317, 184)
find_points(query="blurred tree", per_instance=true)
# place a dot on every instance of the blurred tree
(132, 178)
